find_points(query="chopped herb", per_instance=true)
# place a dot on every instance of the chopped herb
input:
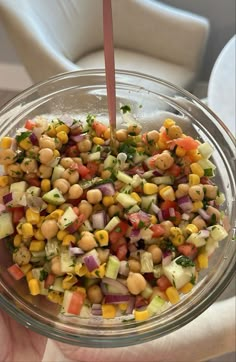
(185, 262)
(22, 136)
(101, 236)
(193, 279)
(56, 195)
(198, 192)
(97, 273)
(90, 119)
(208, 172)
(125, 108)
(212, 220)
(128, 148)
(141, 224)
(43, 275)
(118, 229)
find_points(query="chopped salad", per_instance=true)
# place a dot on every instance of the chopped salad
(107, 230)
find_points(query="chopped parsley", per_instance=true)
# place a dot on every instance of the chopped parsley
(128, 147)
(56, 195)
(43, 275)
(118, 229)
(125, 108)
(22, 136)
(208, 172)
(185, 262)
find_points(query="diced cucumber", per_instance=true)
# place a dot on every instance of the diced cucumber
(54, 162)
(139, 157)
(52, 248)
(156, 305)
(165, 180)
(112, 223)
(57, 173)
(133, 209)
(147, 291)
(33, 191)
(67, 218)
(86, 226)
(217, 232)
(206, 150)
(206, 164)
(211, 246)
(220, 199)
(6, 225)
(54, 197)
(112, 268)
(94, 156)
(177, 274)
(19, 187)
(38, 254)
(147, 202)
(126, 200)
(124, 178)
(126, 189)
(195, 239)
(57, 285)
(36, 272)
(137, 181)
(67, 261)
(110, 162)
(146, 262)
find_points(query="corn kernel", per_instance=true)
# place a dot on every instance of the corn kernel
(105, 174)
(37, 245)
(161, 144)
(175, 231)
(191, 228)
(177, 240)
(108, 200)
(68, 239)
(50, 208)
(140, 149)
(17, 240)
(141, 315)
(167, 193)
(61, 234)
(197, 205)
(25, 144)
(123, 306)
(168, 122)
(80, 270)
(45, 185)
(98, 141)
(38, 235)
(63, 137)
(55, 214)
(55, 297)
(4, 181)
(197, 169)
(107, 134)
(27, 230)
(34, 286)
(99, 272)
(26, 268)
(69, 281)
(172, 295)
(150, 188)
(32, 217)
(102, 237)
(6, 142)
(153, 219)
(51, 131)
(195, 155)
(186, 288)
(193, 179)
(56, 153)
(29, 275)
(202, 259)
(136, 197)
(62, 128)
(180, 151)
(108, 311)
(80, 290)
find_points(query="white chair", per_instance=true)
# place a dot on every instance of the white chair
(55, 36)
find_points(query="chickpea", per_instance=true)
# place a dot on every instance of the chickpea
(14, 170)
(22, 256)
(49, 229)
(156, 253)
(46, 155)
(94, 294)
(84, 156)
(196, 192)
(75, 191)
(210, 191)
(167, 226)
(134, 265)
(199, 222)
(56, 265)
(66, 162)
(7, 156)
(77, 160)
(94, 196)
(174, 132)
(87, 241)
(164, 160)
(65, 206)
(29, 165)
(62, 185)
(134, 129)
(58, 143)
(32, 152)
(47, 142)
(115, 210)
(152, 136)
(103, 254)
(105, 174)
(136, 283)
(213, 211)
(71, 175)
(84, 145)
(121, 135)
(182, 190)
(45, 171)
(85, 208)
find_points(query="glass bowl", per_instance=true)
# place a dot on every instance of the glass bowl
(151, 100)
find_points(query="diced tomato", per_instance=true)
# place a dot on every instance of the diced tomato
(174, 170)
(99, 128)
(92, 167)
(15, 272)
(49, 280)
(29, 124)
(149, 277)
(139, 219)
(188, 143)
(34, 181)
(122, 251)
(72, 151)
(189, 250)
(136, 170)
(158, 230)
(17, 214)
(117, 244)
(168, 204)
(76, 303)
(76, 224)
(151, 161)
(163, 283)
(83, 170)
(205, 181)
(140, 301)
(119, 231)
(177, 219)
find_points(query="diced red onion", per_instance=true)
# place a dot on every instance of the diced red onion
(2, 208)
(203, 214)
(160, 216)
(107, 189)
(142, 216)
(96, 309)
(157, 172)
(124, 268)
(166, 258)
(185, 216)
(211, 202)
(204, 233)
(99, 220)
(74, 250)
(181, 180)
(132, 247)
(120, 288)
(66, 119)
(36, 203)
(165, 214)
(134, 235)
(91, 261)
(130, 306)
(155, 208)
(116, 298)
(33, 139)
(7, 198)
(172, 212)
(185, 203)
(78, 137)
(37, 131)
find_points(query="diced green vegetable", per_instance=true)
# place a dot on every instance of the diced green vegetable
(112, 267)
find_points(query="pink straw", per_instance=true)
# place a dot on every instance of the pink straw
(109, 62)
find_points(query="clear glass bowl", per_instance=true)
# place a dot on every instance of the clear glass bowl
(151, 100)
